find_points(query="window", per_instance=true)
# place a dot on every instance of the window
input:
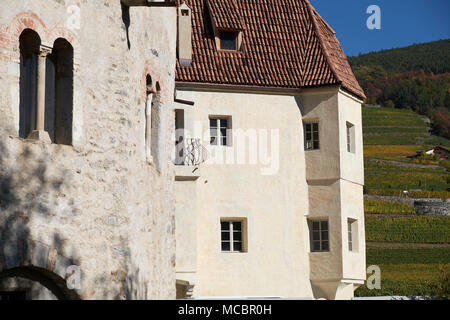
(228, 40)
(29, 51)
(319, 235)
(311, 136)
(352, 234)
(232, 235)
(62, 56)
(219, 131)
(350, 137)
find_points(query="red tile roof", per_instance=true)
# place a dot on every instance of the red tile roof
(286, 44)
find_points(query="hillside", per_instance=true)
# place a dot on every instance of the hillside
(428, 57)
(412, 251)
(415, 77)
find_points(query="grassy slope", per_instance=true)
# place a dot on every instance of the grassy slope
(400, 242)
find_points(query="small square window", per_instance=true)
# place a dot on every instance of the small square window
(228, 40)
(232, 236)
(219, 131)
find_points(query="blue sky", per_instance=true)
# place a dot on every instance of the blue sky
(403, 22)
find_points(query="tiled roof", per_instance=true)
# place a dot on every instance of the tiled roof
(286, 44)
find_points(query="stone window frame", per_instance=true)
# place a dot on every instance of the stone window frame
(227, 227)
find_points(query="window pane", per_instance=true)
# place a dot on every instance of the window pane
(237, 246)
(225, 225)
(324, 235)
(227, 40)
(308, 127)
(325, 246)
(316, 235)
(213, 132)
(223, 132)
(316, 246)
(316, 136)
(213, 141)
(316, 225)
(224, 123)
(315, 127)
(237, 235)
(308, 136)
(324, 225)
(316, 144)
(225, 235)
(223, 141)
(213, 123)
(237, 225)
(225, 246)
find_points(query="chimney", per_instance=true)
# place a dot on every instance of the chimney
(184, 43)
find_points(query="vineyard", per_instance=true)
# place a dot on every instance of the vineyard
(412, 251)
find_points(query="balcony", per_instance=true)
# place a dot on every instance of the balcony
(189, 154)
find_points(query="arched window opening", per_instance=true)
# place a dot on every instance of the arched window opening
(30, 43)
(62, 57)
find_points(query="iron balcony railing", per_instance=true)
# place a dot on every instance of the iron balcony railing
(190, 152)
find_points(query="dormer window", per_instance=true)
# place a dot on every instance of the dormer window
(228, 40)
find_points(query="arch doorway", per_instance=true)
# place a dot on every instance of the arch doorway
(33, 283)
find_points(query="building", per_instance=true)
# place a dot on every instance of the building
(86, 181)
(269, 174)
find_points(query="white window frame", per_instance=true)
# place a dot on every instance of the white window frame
(231, 234)
(219, 136)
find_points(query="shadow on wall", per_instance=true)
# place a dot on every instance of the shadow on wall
(25, 195)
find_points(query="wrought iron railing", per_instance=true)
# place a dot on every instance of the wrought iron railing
(191, 152)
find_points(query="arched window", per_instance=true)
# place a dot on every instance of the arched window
(29, 50)
(62, 57)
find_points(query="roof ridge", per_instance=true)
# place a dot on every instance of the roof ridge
(311, 11)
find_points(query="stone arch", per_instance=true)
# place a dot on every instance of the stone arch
(58, 32)
(22, 21)
(35, 261)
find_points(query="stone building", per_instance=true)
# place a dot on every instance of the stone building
(269, 175)
(86, 126)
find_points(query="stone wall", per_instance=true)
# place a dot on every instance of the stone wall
(430, 206)
(97, 202)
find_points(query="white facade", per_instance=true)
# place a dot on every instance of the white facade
(274, 187)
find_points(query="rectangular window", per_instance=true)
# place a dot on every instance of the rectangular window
(219, 130)
(228, 40)
(319, 235)
(311, 132)
(352, 234)
(232, 235)
(350, 137)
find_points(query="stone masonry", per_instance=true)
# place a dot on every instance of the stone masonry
(96, 203)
